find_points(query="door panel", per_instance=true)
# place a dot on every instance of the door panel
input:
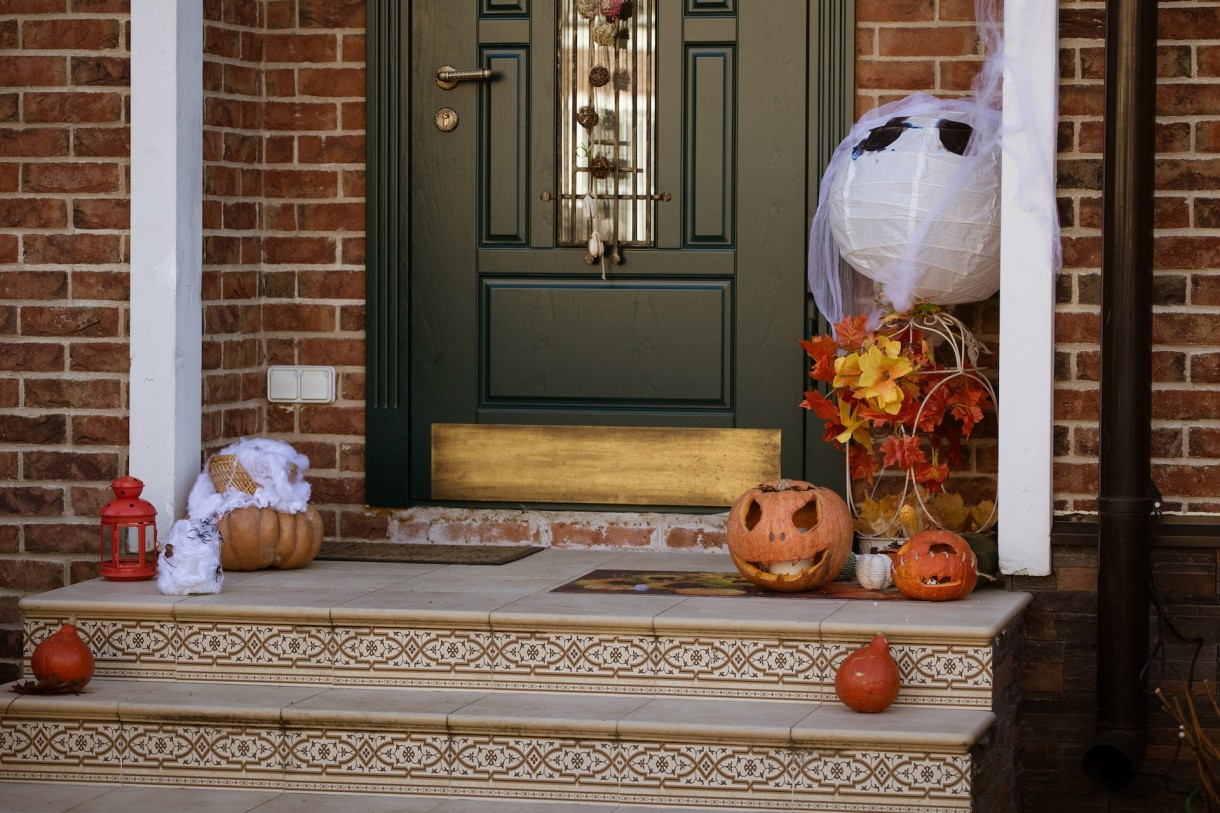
(698, 330)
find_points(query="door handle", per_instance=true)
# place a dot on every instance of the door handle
(447, 76)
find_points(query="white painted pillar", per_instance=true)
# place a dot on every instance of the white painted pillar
(166, 250)
(1027, 285)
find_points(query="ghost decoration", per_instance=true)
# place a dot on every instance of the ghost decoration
(189, 561)
(910, 210)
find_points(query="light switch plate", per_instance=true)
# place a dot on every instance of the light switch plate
(297, 384)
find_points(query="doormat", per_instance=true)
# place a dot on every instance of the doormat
(424, 554)
(677, 583)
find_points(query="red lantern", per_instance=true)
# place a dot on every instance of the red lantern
(129, 533)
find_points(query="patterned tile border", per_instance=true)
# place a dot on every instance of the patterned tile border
(947, 674)
(523, 767)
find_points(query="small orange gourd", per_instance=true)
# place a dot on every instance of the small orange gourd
(868, 678)
(789, 535)
(62, 657)
(255, 538)
(936, 565)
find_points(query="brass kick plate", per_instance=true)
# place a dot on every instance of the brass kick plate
(612, 465)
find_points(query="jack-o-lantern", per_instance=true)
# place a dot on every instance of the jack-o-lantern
(789, 535)
(935, 565)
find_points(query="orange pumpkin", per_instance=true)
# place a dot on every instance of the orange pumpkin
(258, 538)
(789, 535)
(935, 565)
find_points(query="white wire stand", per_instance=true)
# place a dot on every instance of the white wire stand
(953, 342)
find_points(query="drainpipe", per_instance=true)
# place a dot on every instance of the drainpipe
(1125, 502)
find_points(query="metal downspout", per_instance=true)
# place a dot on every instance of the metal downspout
(1125, 500)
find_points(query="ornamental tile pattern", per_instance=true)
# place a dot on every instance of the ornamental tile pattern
(598, 661)
(522, 767)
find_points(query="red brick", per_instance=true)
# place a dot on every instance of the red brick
(352, 183)
(298, 250)
(685, 538)
(331, 285)
(353, 115)
(10, 177)
(29, 576)
(99, 430)
(61, 538)
(1086, 23)
(242, 80)
(241, 216)
(98, 357)
(8, 248)
(1075, 478)
(1185, 404)
(301, 116)
(72, 248)
(35, 142)
(70, 177)
(1186, 252)
(332, 420)
(101, 142)
(1187, 481)
(31, 357)
(1184, 328)
(1076, 405)
(331, 351)
(1190, 174)
(895, 11)
(925, 42)
(959, 74)
(1205, 368)
(1208, 57)
(77, 34)
(58, 393)
(1207, 136)
(893, 74)
(1186, 23)
(41, 429)
(354, 48)
(331, 81)
(1174, 62)
(101, 213)
(242, 148)
(331, 13)
(68, 321)
(101, 71)
(280, 83)
(332, 217)
(339, 149)
(1204, 442)
(352, 319)
(75, 466)
(1187, 99)
(33, 213)
(300, 48)
(1205, 289)
(1081, 100)
(69, 107)
(1077, 328)
(234, 113)
(1172, 213)
(23, 71)
(300, 184)
(102, 6)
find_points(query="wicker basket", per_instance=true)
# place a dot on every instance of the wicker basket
(227, 473)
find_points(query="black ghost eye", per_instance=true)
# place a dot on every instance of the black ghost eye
(954, 135)
(881, 137)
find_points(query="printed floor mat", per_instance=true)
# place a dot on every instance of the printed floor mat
(424, 554)
(671, 583)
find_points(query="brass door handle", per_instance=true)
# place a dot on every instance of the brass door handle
(447, 76)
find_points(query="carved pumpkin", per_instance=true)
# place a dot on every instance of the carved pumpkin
(258, 538)
(63, 658)
(789, 535)
(935, 565)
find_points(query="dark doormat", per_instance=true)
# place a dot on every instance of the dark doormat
(424, 554)
(671, 583)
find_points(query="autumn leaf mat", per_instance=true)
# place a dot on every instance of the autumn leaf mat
(677, 583)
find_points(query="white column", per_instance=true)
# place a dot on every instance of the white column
(166, 250)
(1027, 288)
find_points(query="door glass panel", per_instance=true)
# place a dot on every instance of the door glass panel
(607, 71)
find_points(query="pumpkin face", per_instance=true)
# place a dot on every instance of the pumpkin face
(935, 566)
(789, 535)
(258, 538)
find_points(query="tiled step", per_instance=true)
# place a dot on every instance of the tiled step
(435, 744)
(500, 627)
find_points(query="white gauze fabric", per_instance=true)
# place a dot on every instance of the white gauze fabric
(904, 212)
(189, 561)
(268, 462)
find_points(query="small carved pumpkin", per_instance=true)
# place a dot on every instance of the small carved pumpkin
(789, 535)
(258, 538)
(935, 565)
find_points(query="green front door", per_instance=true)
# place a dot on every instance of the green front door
(504, 321)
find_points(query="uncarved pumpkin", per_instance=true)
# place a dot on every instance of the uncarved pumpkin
(789, 535)
(259, 538)
(935, 565)
(63, 658)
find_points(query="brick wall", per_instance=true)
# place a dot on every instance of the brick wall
(63, 289)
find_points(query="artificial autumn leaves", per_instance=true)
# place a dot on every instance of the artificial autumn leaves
(891, 402)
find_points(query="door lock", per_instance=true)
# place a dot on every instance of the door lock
(446, 119)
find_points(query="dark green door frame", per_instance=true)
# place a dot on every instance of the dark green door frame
(387, 444)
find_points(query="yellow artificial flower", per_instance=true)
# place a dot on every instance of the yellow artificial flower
(880, 368)
(853, 427)
(847, 371)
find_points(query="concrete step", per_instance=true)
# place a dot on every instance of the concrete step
(503, 628)
(436, 744)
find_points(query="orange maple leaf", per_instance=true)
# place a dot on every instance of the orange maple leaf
(851, 332)
(903, 451)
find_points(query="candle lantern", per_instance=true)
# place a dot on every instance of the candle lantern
(128, 533)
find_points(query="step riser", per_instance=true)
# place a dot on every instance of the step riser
(958, 675)
(277, 757)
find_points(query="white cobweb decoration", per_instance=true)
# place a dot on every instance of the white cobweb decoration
(189, 560)
(275, 470)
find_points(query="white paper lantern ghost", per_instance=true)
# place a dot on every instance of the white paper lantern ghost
(189, 561)
(916, 213)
